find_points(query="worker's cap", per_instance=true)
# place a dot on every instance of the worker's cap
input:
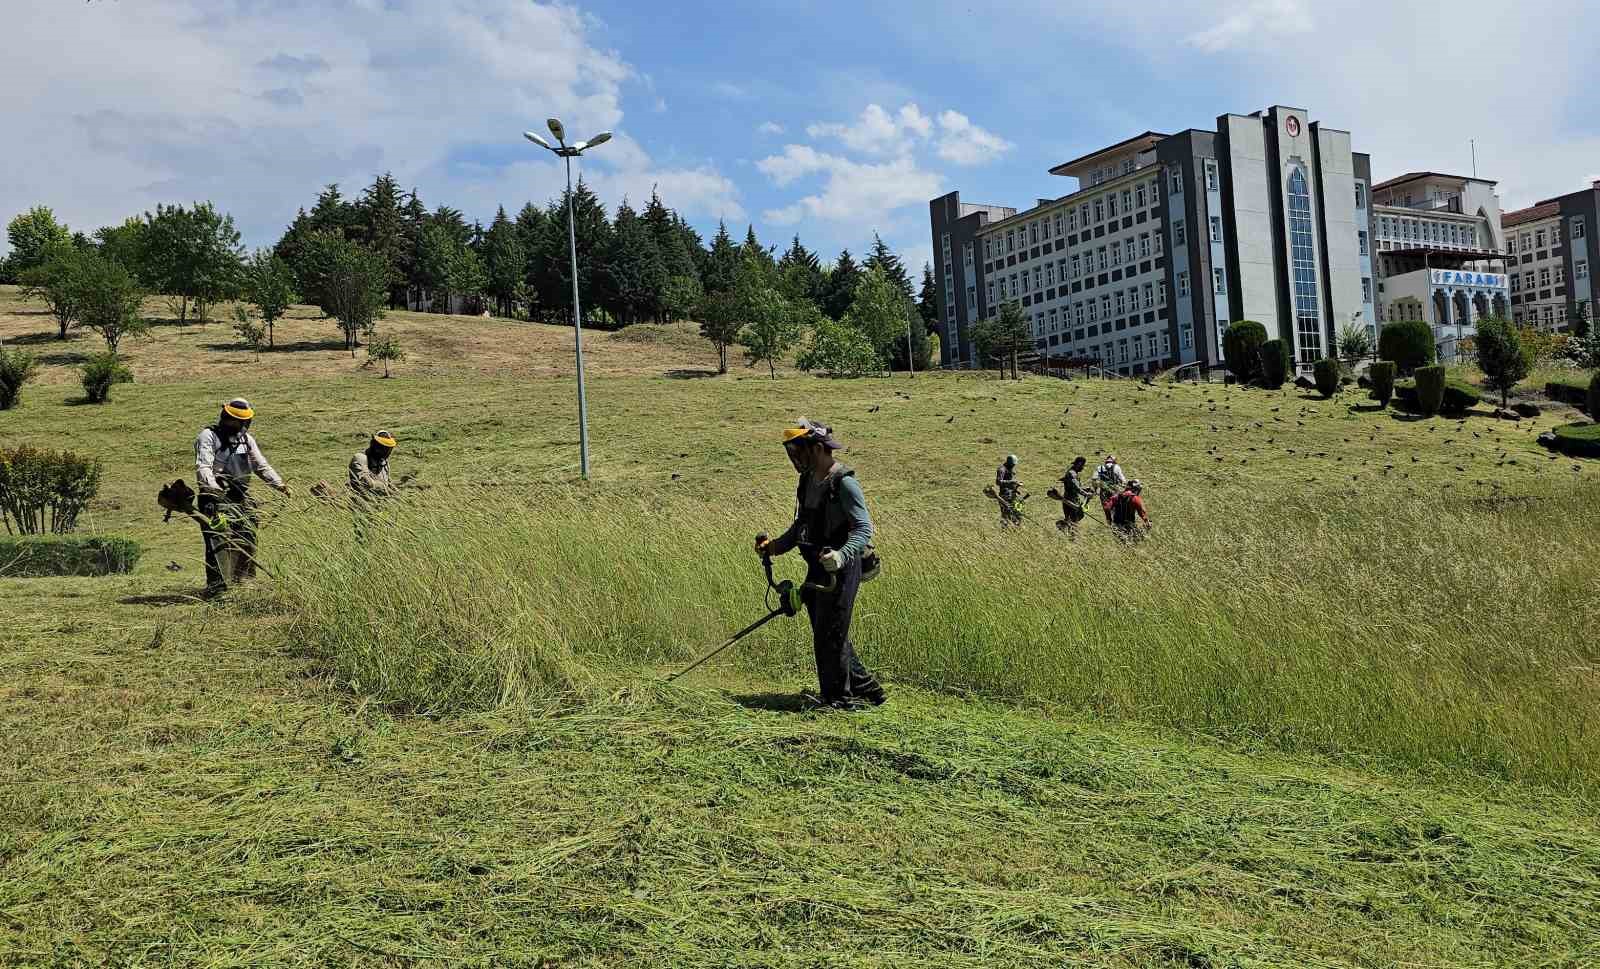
(238, 409)
(383, 439)
(807, 431)
(1011, 460)
(1135, 486)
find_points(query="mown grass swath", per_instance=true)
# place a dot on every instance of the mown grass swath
(1370, 624)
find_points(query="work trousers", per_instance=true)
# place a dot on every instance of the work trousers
(840, 673)
(230, 541)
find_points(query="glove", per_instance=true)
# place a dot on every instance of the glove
(286, 491)
(763, 548)
(832, 561)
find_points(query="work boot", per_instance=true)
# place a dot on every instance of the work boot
(847, 704)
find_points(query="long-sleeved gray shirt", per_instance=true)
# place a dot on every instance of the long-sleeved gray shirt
(218, 462)
(847, 512)
(368, 477)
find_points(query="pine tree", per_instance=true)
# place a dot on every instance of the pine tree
(840, 289)
(530, 230)
(592, 233)
(331, 213)
(505, 263)
(928, 300)
(754, 253)
(380, 226)
(884, 259)
(800, 274)
(695, 246)
(722, 268)
(413, 219)
(635, 273)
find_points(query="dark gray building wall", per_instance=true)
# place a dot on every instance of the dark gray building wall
(1587, 205)
(945, 217)
(1187, 152)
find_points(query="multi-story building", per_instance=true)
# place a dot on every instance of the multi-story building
(1169, 238)
(1440, 253)
(1550, 248)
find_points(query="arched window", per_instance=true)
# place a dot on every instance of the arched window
(1303, 265)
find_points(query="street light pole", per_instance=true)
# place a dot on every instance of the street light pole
(567, 153)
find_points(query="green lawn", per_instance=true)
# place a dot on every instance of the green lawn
(188, 784)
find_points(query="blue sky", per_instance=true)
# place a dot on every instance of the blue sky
(830, 120)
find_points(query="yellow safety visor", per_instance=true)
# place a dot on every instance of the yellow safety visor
(385, 439)
(794, 433)
(238, 413)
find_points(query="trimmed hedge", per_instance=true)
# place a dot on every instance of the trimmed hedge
(1409, 343)
(1430, 389)
(1594, 396)
(56, 555)
(1326, 372)
(1275, 365)
(1573, 390)
(1382, 376)
(1459, 396)
(1579, 440)
(1241, 345)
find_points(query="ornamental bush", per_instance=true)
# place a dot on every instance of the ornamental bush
(100, 373)
(1408, 343)
(1430, 389)
(1241, 344)
(1274, 364)
(17, 367)
(1326, 372)
(55, 555)
(1594, 397)
(43, 491)
(1382, 377)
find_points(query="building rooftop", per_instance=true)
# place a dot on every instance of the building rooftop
(1544, 210)
(1142, 142)
(1419, 176)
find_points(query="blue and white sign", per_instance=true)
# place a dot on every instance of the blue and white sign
(1456, 277)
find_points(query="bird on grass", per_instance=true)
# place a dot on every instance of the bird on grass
(873, 409)
(952, 419)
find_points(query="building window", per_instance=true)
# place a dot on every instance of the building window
(1014, 291)
(1101, 258)
(1116, 254)
(1083, 216)
(1122, 303)
(1011, 241)
(1362, 235)
(1052, 319)
(972, 301)
(1149, 295)
(1516, 283)
(1099, 210)
(1077, 266)
(988, 249)
(1138, 194)
(1211, 176)
(1549, 314)
(1094, 312)
(1044, 229)
(1528, 282)
(1161, 293)
(1122, 350)
(1511, 245)
(1038, 278)
(1072, 220)
(1560, 272)
(1158, 243)
(1219, 282)
(1127, 200)
(1538, 239)
(1544, 276)
(966, 254)
(1061, 269)
(1177, 233)
(1111, 205)
(1105, 306)
(1361, 195)
(1366, 289)
(1216, 228)
(1077, 314)
(1049, 274)
(1580, 269)
(1185, 337)
(1577, 227)
(1033, 233)
(1144, 245)
(1303, 258)
(1183, 284)
(1177, 182)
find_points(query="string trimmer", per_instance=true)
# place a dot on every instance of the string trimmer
(789, 602)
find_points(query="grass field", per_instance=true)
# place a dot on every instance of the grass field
(1336, 712)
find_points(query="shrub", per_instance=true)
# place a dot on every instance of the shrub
(1579, 440)
(1430, 389)
(17, 367)
(1355, 341)
(1327, 375)
(386, 349)
(1594, 397)
(1502, 356)
(252, 332)
(34, 557)
(1274, 364)
(1241, 344)
(841, 350)
(1408, 344)
(1568, 390)
(44, 491)
(1382, 376)
(1459, 396)
(100, 373)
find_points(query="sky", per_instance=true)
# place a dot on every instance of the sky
(827, 120)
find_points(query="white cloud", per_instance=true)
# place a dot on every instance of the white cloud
(770, 128)
(877, 132)
(858, 193)
(1253, 22)
(296, 95)
(964, 143)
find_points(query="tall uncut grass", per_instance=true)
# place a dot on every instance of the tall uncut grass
(1381, 625)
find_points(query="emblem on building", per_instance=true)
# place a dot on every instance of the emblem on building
(1292, 126)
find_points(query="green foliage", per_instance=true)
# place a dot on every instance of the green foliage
(773, 325)
(1579, 440)
(681, 297)
(878, 311)
(32, 235)
(721, 319)
(1241, 348)
(839, 289)
(800, 274)
(1326, 373)
(839, 349)
(1355, 342)
(1408, 344)
(192, 255)
(17, 367)
(100, 373)
(269, 285)
(386, 350)
(250, 329)
(1584, 351)
(109, 300)
(1382, 376)
(1002, 337)
(1594, 397)
(57, 281)
(916, 331)
(1430, 389)
(722, 267)
(351, 283)
(61, 556)
(635, 272)
(1274, 364)
(1502, 356)
(124, 244)
(505, 265)
(44, 491)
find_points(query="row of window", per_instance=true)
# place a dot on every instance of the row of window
(1537, 238)
(1086, 215)
(1103, 259)
(1548, 276)
(1430, 231)
(1535, 315)
(1138, 347)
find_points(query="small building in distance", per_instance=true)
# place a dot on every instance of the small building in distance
(1550, 251)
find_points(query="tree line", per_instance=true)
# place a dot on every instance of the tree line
(383, 248)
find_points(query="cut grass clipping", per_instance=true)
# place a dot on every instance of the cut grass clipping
(1249, 626)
